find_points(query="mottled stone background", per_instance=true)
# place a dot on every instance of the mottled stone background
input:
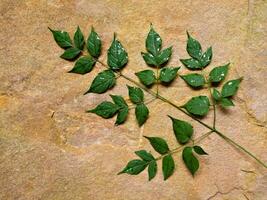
(51, 149)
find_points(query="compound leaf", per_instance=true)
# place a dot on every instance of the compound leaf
(230, 88)
(198, 105)
(183, 130)
(159, 144)
(141, 113)
(106, 109)
(62, 38)
(194, 80)
(136, 94)
(190, 160)
(134, 167)
(168, 166)
(218, 74)
(94, 44)
(147, 77)
(79, 39)
(83, 65)
(102, 82)
(168, 74)
(117, 56)
(70, 53)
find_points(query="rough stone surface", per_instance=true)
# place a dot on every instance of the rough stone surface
(51, 149)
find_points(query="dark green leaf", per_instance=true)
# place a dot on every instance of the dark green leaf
(123, 111)
(193, 47)
(183, 130)
(153, 42)
(206, 57)
(149, 59)
(167, 166)
(70, 53)
(134, 167)
(118, 100)
(216, 94)
(144, 155)
(106, 109)
(147, 77)
(164, 56)
(159, 144)
(194, 80)
(117, 56)
(136, 94)
(230, 88)
(102, 82)
(122, 116)
(198, 105)
(190, 160)
(79, 39)
(199, 150)
(62, 38)
(218, 74)
(168, 74)
(94, 44)
(191, 63)
(226, 102)
(141, 113)
(83, 65)
(152, 170)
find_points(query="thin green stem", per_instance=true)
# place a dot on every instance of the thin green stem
(239, 146)
(183, 111)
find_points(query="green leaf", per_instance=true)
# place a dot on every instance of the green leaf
(149, 59)
(153, 42)
(79, 39)
(193, 47)
(225, 102)
(183, 130)
(206, 57)
(152, 170)
(194, 80)
(218, 74)
(168, 74)
(190, 160)
(230, 88)
(191, 63)
(199, 150)
(62, 38)
(168, 166)
(123, 111)
(144, 155)
(106, 109)
(83, 65)
(198, 105)
(141, 113)
(134, 167)
(147, 77)
(216, 94)
(136, 94)
(94, 44)
(102, 82)
(70, 53)
(117, 56)
(164, 56)
(118, 100)
(122, 116)
(159, 144)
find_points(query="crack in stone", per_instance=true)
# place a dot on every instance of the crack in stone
(224, 193)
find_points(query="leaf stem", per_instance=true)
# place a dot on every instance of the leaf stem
(179, 148)
(157, 82)
(186, 113)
